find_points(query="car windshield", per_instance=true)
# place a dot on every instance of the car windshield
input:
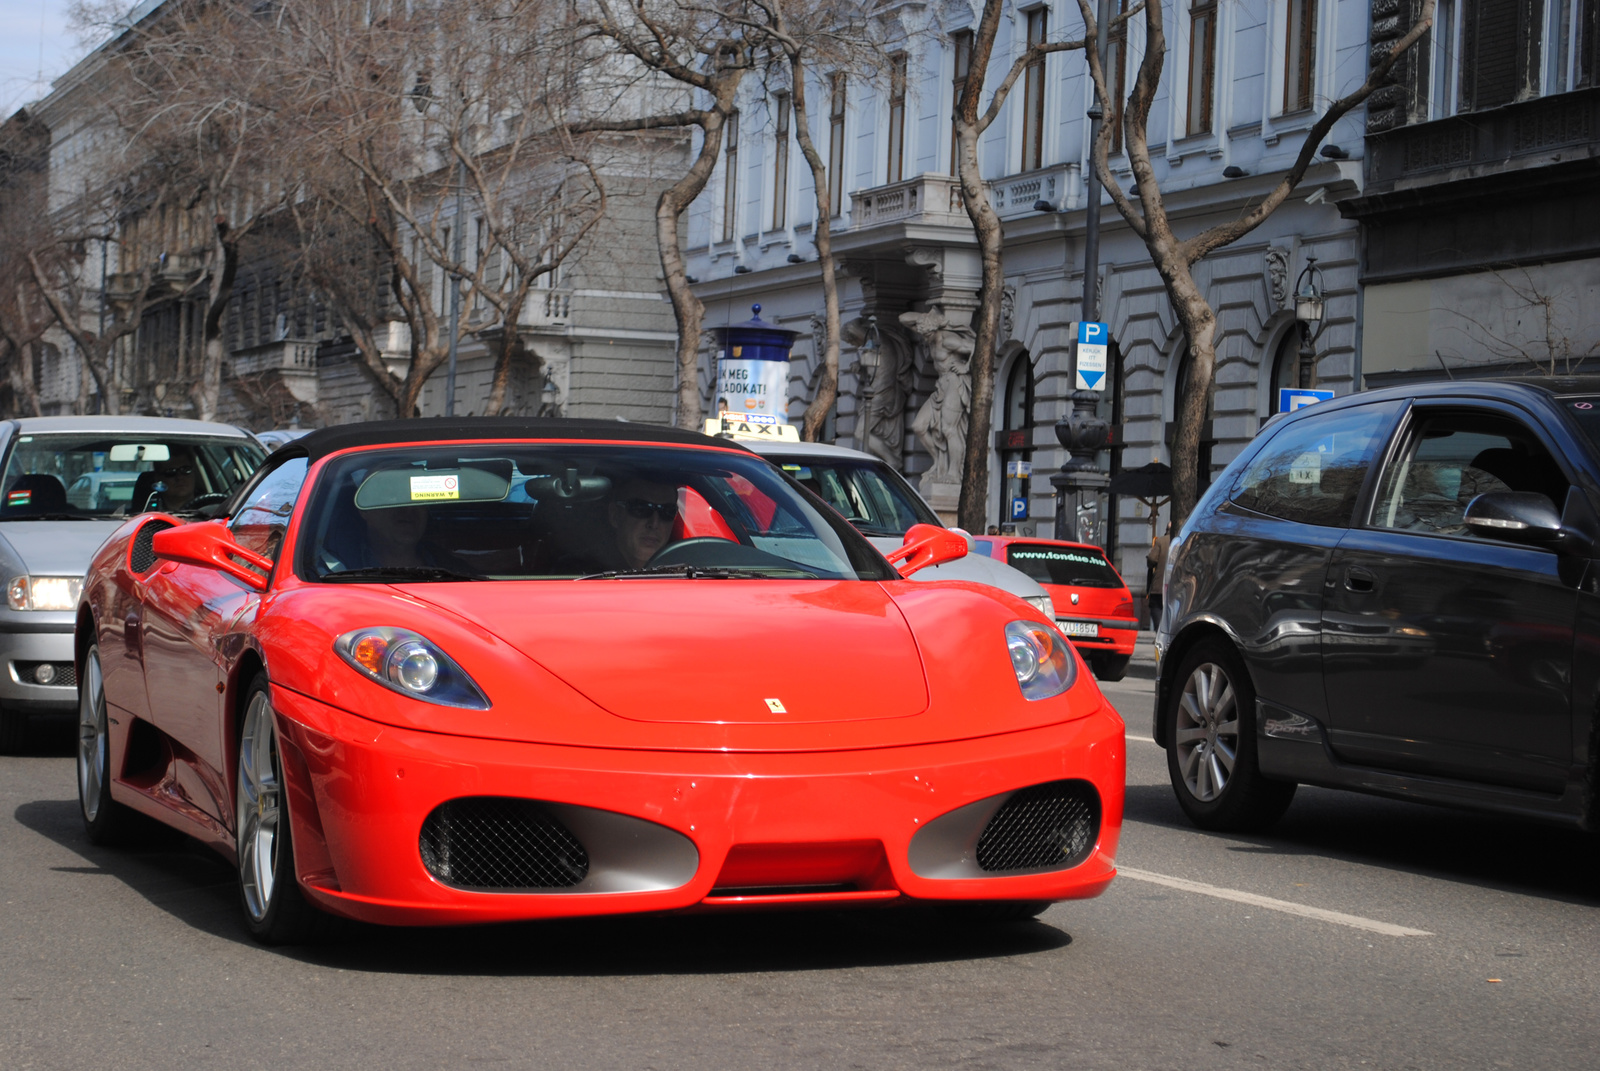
(1077, 567)
(59, 476)
(518, 511)
(868, 494)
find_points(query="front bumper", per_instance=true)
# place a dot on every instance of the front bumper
(31, 643)
(359, 793)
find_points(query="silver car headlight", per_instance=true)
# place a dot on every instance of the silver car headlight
(44, 592)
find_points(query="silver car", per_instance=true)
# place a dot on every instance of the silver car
(882, 505)
(66, 483)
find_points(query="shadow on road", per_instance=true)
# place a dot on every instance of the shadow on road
(197, 888)
(1486, 850)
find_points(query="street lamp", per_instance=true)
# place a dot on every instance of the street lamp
(1309, 310)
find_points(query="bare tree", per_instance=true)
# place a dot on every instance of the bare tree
(1174, 257)
(24, 317)
(703, 49)
(970, 124)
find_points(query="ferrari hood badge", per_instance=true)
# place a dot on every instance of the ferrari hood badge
(776, 706)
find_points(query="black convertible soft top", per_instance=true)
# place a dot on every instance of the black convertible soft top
(326, 441)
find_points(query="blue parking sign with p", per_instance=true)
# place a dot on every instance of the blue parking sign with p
(1019, 509)
(1093, 340)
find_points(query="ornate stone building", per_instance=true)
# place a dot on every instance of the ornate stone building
(1243, 84)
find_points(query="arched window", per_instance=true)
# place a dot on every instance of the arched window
(1285, 366)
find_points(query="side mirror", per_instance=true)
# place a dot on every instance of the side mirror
(1515, 517)
(210, 544)
(925, 545)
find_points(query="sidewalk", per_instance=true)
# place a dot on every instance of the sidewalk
(1143, 664)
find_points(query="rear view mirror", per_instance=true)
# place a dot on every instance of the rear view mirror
(479, 481)
(1515, 517)
(210, 544)
(925, 545)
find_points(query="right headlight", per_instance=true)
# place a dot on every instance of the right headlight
(44, 592)
(408, 663)
(1039, 655)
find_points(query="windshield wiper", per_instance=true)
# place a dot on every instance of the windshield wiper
(403, 572)
(701, 572)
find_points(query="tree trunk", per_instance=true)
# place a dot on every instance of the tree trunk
(1199, 328)
(207, 390)
(828, 385)
(686, 307)
(510, 341)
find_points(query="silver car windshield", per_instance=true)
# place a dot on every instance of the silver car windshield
(63, 476)
(868, 493)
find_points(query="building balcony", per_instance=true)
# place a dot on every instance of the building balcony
(295, 356)
(546, 308)
(927, 198)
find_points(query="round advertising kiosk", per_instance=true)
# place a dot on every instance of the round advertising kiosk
(753, 369)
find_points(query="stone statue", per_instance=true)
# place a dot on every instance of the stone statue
(883, 396)
(941, 423)
(1278, 276)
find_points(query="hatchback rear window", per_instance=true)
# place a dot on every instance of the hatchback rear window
(1078, 567)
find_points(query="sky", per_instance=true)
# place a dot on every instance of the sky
(35, 40)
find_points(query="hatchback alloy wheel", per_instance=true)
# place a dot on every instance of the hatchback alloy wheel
(1207, 731)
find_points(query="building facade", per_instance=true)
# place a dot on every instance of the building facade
(1243, 84)
(1481, 213)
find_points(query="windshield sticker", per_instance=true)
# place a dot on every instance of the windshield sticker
(435, 488)
(19, 498)
(1018, 554)
(1307, 468)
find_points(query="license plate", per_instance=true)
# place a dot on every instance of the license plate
(1079, 628)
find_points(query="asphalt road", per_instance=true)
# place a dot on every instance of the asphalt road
(1359, 933)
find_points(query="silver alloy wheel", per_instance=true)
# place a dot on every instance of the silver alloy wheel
(1206, 732)
(93, 752)
(260, 802)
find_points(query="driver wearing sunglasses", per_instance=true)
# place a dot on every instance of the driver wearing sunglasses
(642, 514)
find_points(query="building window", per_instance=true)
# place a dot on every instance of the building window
(836, 143)
(1016, 417)
(962, 43)
(730, 200)
(1116, 75)
(1033, 94)
(1501, 42)
(780, 162)
(1586, 64)
(1202, 64)
(897, 116)
(1300, 49)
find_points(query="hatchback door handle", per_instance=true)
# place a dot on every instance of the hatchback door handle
(1358, 579)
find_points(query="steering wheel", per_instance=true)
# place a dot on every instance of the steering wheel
(668, 554)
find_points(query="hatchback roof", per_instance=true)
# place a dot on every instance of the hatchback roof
(124, 425)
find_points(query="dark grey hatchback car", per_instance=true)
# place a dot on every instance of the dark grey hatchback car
(1397, 592)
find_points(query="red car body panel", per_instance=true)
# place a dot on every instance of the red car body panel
(1111, 608)
(645, 699)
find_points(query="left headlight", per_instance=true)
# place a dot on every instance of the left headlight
(1040, 657)
(44, 592)
(410, 664)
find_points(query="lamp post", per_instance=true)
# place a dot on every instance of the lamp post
(1082, 432)
(1309, 309)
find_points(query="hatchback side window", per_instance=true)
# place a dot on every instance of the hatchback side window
(1312, 470)
(261, 522)
(1451, 458)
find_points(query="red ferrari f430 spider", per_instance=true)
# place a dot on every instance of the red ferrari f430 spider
(430, 672)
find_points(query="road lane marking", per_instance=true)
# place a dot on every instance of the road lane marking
(1141, 740)
(1288, 907)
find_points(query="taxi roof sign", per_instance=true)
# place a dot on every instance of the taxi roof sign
(751, 426)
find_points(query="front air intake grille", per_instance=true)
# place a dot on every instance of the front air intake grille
(143, 556)
(58, 675)
(498, 842)
(1052, 826)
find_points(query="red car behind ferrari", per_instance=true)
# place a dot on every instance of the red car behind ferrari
(476, 670)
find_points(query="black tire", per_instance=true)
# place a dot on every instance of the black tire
(106, 821)
(13, 731)
(275, 910)
(1209, 720)
(1109, 667)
